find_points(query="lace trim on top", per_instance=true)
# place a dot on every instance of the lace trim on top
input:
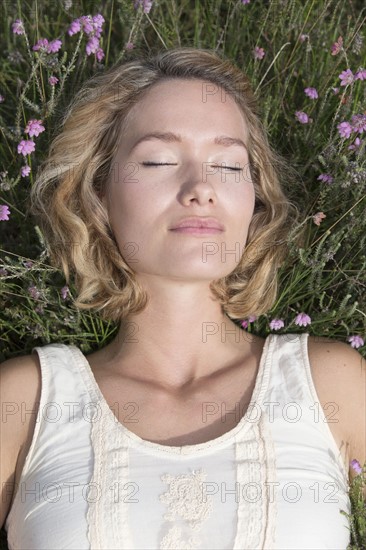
(107, 514)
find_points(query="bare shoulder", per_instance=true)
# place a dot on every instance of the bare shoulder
(340, 372)
(20, 389)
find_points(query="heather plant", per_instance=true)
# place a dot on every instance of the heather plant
(307, 64)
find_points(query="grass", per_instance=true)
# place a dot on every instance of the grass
(323, 277)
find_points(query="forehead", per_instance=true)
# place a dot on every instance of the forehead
(189, 106)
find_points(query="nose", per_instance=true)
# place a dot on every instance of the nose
(196, 183)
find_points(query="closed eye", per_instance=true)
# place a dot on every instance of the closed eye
(167, 164)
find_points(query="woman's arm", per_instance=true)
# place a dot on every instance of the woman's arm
(341, 370)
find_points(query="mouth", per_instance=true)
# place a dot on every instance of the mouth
(197, 230)
(199, 224)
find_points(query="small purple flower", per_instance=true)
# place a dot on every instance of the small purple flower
(129, 46)
(146, 4)
(26, 147)
(87, 23)
(18, 27)
(75, 27)
(4, 212)
(311, 92)
(3, 272)
(355, 145)
(303, 37)
(34, 292)
(99, 54)
(25, 171)
(34, 128)
(346, 77)
(41, 44)
(276, 324)
(302, 319)
(92, 45)
(28, 264)
(327, 178)
(2, 98)
(245, 2)
(302, 117)
(98, 21)
(335, 91)
(344, 129)
(258, 53)
(64, 292)
(356, 341)
(53, 80)
(356, 466)
(54, 46)
(361, 74)
(358, 123)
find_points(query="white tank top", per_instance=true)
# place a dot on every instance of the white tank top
(275, 481)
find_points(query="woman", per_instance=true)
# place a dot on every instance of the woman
(162, 194)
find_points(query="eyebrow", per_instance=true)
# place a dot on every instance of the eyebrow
(170, 137)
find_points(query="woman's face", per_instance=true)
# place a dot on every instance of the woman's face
(144, 202)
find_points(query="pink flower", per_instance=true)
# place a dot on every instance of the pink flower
(355, 145)
(276, 324)
(344, 129)
(25, 171)
(28, 264)
(54, 46)
(303, 37)
(346, 77)
(318, 217)
(34, 128)
(92, 45)
(129, 45)
(98, 21)
(4, 212)
(18, 27)
(75, 27)
(3, 272)
(358, 123)
(41, 44)
(87, 23)
(258, 53)
(53, 80)
(245, 1)
(337, 46)
(311, 92)
(335, 91)
(302, 117)
(99, 54)
(356, 341)
(2, 99)
(146, 4)
(361, 74)
(246, 322)
(25, 147)
(327, 178)
(64, 292)
(302, 319)
(356, 466)
(34, 292)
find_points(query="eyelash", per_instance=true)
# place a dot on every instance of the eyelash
(167, 164)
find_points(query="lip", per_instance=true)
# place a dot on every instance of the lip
(200, 224)
(197, 230)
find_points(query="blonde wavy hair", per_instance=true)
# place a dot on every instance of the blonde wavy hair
(66, 195)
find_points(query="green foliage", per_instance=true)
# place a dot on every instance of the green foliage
(325, 275)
